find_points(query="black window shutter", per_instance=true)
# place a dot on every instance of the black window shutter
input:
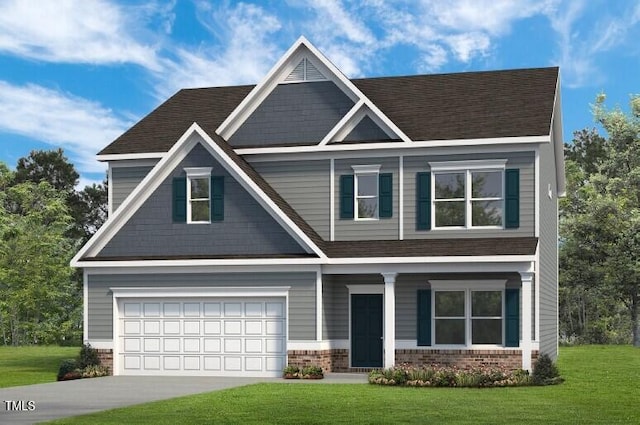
(424, 317)
(346, 196)
(385, 189)
(217, 198)
(179, 203)
(512, 317)
(423, 201)
(512, 198)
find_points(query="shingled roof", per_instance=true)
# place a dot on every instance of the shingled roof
(454, 106)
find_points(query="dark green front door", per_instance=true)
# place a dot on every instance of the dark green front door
(366, 330)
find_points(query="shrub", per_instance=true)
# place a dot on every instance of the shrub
(67, 368)
(545, 372)
(95, 371)
(439, 376)
(291, 371)
(88, 357)
(312, 371)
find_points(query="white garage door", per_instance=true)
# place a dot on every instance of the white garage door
(213, 337)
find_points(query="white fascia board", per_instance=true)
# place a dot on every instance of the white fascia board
(162, 170)
(526, 264)
(390, 153)
(457, 143)
(434, 260)
(289, 264)
(131, 156)
(135, 267)
(199, 292)
(558, 141)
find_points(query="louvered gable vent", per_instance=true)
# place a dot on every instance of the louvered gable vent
(305, 71)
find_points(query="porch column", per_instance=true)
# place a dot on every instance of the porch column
(389, 319)
(525, 343)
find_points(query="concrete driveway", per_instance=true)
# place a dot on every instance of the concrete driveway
(43, 402)
(70, 398)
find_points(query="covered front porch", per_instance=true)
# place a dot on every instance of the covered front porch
(464, 313)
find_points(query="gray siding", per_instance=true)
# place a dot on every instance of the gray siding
(124, 180)
(548, 274)
(305, 185)
(366, 130)
(382, 229)
(247, 228)
(525, 161)
(294, 113)
(302, 306)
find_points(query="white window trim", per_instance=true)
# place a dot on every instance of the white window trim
(197, 173)
(365, 170)
(467, 287)
(468, 167)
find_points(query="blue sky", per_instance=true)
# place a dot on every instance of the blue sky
(75, 74)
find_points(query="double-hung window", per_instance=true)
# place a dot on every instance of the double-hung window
(366, 191)
(468, 194)
(466, 316)
(198, 194)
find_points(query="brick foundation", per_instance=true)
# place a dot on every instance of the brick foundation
(106, 358)
(510, 359)
(338, 360)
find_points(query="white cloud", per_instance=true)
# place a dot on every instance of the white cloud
(80, 126)
(579, 52)
(74, 31)
(242, 51)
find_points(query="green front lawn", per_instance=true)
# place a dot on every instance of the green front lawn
(602, 386)
(32, 365)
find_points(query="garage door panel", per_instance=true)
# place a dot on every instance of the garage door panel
(253, 364)
(212, 345)
(171, 309)
(171, 363)
(172, 345)
(191, 309)
(212, 310)
(191, 327)
(202, 337)
(212, 327)
(132, 310)
(132, 327)
(151, 309)
(212, 363)
(152, 327)
(152, 345)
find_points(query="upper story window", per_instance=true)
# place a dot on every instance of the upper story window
(198, 194)
(468, 194)
(366, 191)
(367, 194)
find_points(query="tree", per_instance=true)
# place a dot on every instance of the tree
(50, 166)
(600, 222)
(88, 207)
(39, 302)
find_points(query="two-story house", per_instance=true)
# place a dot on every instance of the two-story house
(350, 223)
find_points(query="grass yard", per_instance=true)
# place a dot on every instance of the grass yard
(602, 387)
(32, 365)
